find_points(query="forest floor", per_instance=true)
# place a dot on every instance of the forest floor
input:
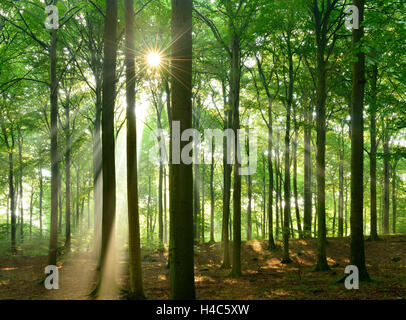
(264, 277)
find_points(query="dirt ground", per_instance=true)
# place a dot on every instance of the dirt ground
(264, 277)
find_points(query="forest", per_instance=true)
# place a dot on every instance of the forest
(202, 149)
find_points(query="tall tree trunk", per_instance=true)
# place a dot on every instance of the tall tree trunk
(341, 186)
(263, 225)
(54, 149)
(88, 210)
(227, 169)
(196, 177)
(67, 179)
(372, 153)
(335, 209)
(357, 252)
(60, 203)
(294, 155)
(320, 159)
(346, 209)
(386, 185)
(20, 160)
(249, 209)
(394, 205)
(234, 104)
(196, 202)
(212, 194)
(108, 144)
(181, 175)
(315, 216)
(159, 109)
(134, 243)
(277, 189)
(12, 197)
(307, 218)
(7, 214)
(203, 173)
(77, 221)
(149, 210)
(165, 215)
(31, 209)
(271, 241)
(97, 173)
(41, 195)
(286, 189)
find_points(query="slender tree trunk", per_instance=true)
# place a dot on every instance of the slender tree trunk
(196, 201)
(386, 185)
(31, 209)
(97, 173)
(286, 189)
(277, 184)
(203, 173)
(149, 210)
(67, 180)
(54, 149)
(307, 218)
(335, 209)
(372, 154)
(41, 192)
(160, 183)
(394, 205)
(320, 160)
(346, 209)
(271, 241)
(212, 195)
(77, 222)
(165, 214)
(108, 145)
(315, 216)
(181, 175)
(294, 155)
(60, 203)
(196, 177)
(7, 214)
(12, 198)
(227, 186)
(249, 209)
(135, 284)
(341, 186)
(357, 251)
(20, 160)
(263, 226)
(88, 211)
(234, 103)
